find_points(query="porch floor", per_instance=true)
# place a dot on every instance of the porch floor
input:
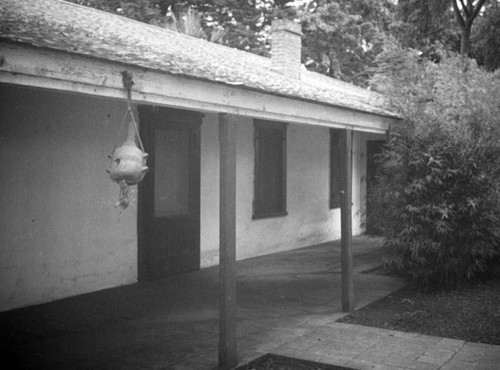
(287, 304)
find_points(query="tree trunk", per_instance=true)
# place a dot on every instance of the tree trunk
(465, 40)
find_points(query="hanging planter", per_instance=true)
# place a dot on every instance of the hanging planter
(128, 161)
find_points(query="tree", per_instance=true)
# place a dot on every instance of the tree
(429, 20)
(438, 191)
(239, 24)
(466, 13)
(420, 24)
(341, 37)
(486, 37)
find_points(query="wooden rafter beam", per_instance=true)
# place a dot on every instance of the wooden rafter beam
(30, 66)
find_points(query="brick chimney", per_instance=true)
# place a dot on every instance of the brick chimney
(286, 43)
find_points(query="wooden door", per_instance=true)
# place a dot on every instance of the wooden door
(169, 196)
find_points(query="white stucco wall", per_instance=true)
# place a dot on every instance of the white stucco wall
(209, 195)
(309, 220)
(60, 233)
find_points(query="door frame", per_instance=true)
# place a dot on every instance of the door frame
(147, 116)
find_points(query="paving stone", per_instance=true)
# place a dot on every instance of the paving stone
(302, 343)
(303, 355)
(320, 333)
(363, 344)
(420, 341)
(401, 359)
(335, 360)
(432, 360)
(360, 364)
(388, 342)
(271, 345)
(458, 365)
(326, 351)
(440, 352)
(376, 353)
(400, 334)
(478, 346)
(417, 365)
(327, 344)
(386, 367)
(429, 339)
(309, 356)
(469, 355)
(410, 349)
(285, 351)
(486, 366)
(447, 343)
(492, 356)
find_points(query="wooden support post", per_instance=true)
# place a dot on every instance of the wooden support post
(346, 221)
(227, 277)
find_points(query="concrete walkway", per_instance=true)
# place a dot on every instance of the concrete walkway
(287, 304)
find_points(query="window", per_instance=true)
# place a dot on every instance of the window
(270, 169)
(335, 169)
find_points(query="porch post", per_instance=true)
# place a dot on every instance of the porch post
(227, 249)
(346, 221)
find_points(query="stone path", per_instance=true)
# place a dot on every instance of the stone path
(324, 340)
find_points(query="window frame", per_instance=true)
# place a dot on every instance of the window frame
(259, 129)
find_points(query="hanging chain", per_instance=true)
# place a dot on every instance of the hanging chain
(128, 83)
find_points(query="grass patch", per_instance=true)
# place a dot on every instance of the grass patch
(467, 313)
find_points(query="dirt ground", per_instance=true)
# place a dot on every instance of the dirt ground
(468, 313)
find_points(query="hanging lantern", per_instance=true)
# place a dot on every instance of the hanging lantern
(128, 161)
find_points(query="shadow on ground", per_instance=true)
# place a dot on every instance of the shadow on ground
(173, 323)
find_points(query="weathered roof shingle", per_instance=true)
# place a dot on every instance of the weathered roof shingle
(80, 30)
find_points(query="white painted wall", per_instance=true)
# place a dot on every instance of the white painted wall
(60, 234)
(309, 220)
(209, 195)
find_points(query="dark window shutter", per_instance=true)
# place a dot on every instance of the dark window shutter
(270, 169)
(335, 170)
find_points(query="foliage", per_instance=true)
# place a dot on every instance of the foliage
(420, 24)
(425, 22)
(486, 37)
(341, 37)
(239, 24)
(438, 191)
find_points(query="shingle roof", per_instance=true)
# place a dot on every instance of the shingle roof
(80, 30)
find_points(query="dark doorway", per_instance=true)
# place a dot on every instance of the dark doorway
(169, 196)
(373, 148)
